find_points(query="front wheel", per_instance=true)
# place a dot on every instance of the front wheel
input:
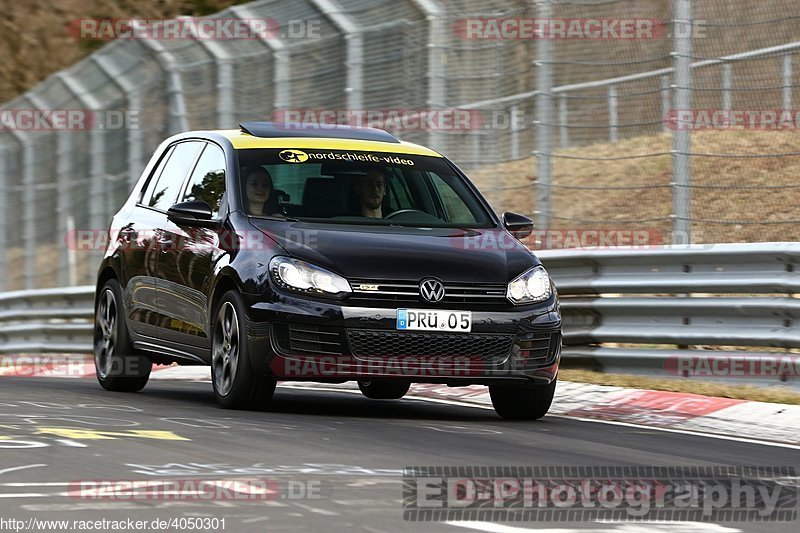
(236, 386)
(529, 402)
(384, 390)
(117, 364)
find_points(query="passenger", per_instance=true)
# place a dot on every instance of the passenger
(258, 187)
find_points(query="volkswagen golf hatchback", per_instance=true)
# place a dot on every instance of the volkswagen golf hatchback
(325, 254)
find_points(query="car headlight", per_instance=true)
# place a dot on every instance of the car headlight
(298, 275)
(531, 286)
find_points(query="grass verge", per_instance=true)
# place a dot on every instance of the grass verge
(738, 392)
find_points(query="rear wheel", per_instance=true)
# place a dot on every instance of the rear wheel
(384, 390)
(529, 402)
(119, 367)
(236, 386)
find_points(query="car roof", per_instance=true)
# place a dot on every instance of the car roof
(244, 141)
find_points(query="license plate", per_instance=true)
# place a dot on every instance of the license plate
(434, 320)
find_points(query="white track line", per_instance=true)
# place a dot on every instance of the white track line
(596, 421)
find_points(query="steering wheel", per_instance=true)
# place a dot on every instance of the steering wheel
(401, 211)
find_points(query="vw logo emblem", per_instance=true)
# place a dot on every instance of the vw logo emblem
(431, 290)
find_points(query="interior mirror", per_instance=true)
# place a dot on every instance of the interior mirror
(520, 226)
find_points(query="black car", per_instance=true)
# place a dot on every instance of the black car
(326, 254)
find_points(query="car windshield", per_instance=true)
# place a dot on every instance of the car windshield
(333, 186)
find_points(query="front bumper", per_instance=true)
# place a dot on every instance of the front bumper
(311, 340)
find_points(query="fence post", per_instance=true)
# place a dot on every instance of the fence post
(666, 104)
(98, 214)
(435, 62)
(682, 136)
(544, 122)
(5, 215)
(178, 115)
(132, 94)
(563, 117)
(613, 119)
(222, 60)
(727, 83)
(787, 81)
(64, 175)
(354, 43)
(280, 54)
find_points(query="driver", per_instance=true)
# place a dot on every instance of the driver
(371, 190)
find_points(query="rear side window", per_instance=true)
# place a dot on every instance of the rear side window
(163, 189)
(207, 182)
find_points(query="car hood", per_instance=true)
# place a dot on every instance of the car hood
(401, 253)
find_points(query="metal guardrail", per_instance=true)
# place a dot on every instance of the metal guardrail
(625, 310)
(47, 320)
(638, 311)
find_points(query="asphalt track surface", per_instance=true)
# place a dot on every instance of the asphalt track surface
(345, 451)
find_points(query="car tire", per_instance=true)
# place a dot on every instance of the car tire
(529, 402)
(236, 385)
(384, 390)
(118, 365)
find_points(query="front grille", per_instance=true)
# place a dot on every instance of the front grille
(303, 339)
(367, 343)
(538, 349)
(408, 291)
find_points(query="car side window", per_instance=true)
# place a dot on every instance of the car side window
(207, 182)
(164, 191)
(151, 183)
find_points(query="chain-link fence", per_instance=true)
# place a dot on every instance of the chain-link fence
(683, 129)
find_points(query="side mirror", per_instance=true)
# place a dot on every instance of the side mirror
(191, 212)
(519, 226)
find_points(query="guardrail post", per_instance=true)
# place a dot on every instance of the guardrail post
(544, 122)
(682, 136)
